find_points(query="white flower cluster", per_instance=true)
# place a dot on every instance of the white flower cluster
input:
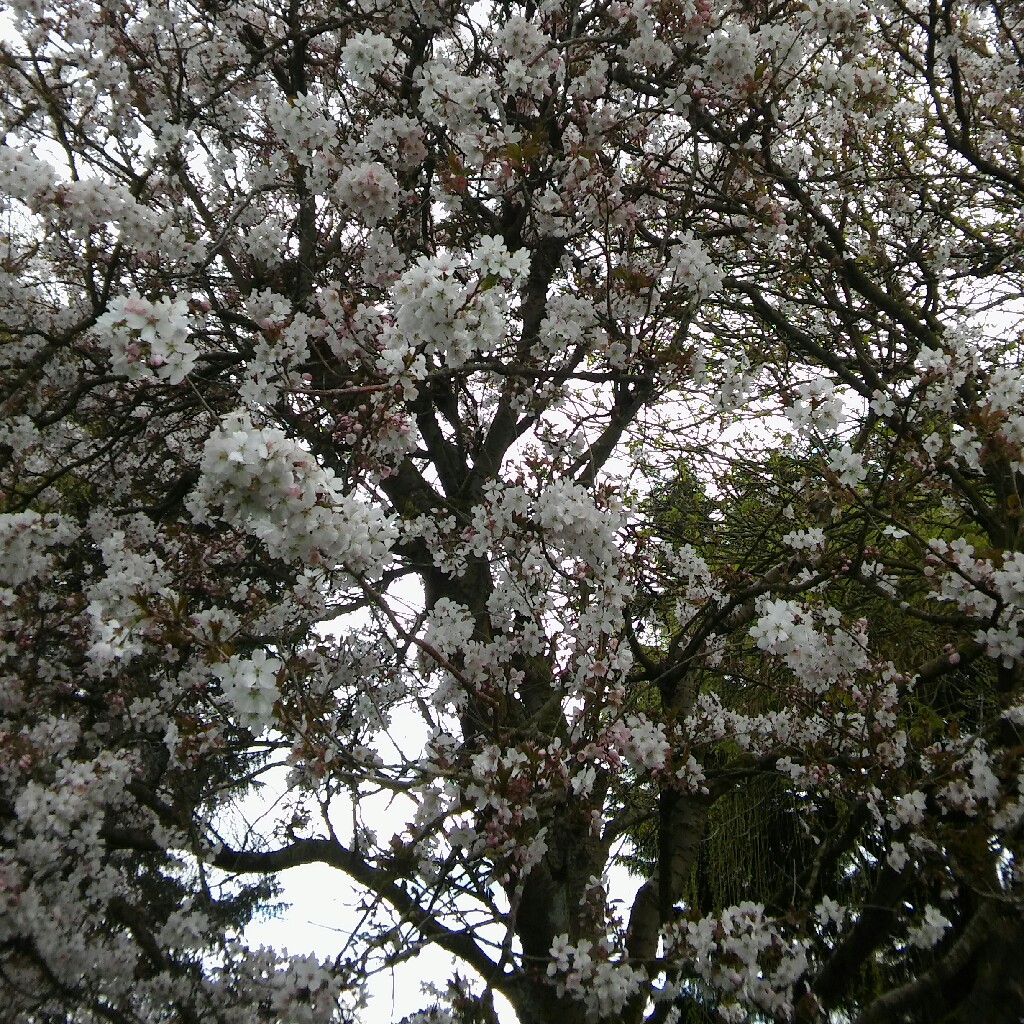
(449, 626)
(297, 989)
(66, 809)
(382, 261)
(148, 339)
(692, 269)
(1004, 643)
(587, 974)
(730, 378)
(690, 776)
(565, 515)
(520, 39)
(730, 56)
(492, 258)
(301, 124)
(369, 190)
(812, 539)
(569, 321)
(115, 598)
(271, 487)
(693, 580)
(646, 50)
(908, 809)
(1004, 390)
(26, 177)
(570, 518)
(882, 404)
(641, 742)
(250, 687)
(711, 721)
(786, 629)
(977, 786)
(931, 929)
(512, 783)
(80, 205)
(817, 406)
(527, 67)
(946, 370)
(25, 538)
(970, 582)
(848, 465)
(898, 857)
(968, 448)
(830, 913)
(368, 55)
(962, 578)
(451, 99)
(436, 315)
(743, 954)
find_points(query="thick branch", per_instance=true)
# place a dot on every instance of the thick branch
(887, 1007)
(871, 927)
(378, 881)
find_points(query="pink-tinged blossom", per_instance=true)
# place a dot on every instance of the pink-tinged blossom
(564, 427)
(250, 688)
(848, 465)
(148, 338)
(273, 489)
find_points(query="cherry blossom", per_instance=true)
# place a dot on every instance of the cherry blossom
(512, 446)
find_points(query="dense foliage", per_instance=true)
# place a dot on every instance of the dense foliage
(589, 429)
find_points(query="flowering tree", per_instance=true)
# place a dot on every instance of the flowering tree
(593, 429)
